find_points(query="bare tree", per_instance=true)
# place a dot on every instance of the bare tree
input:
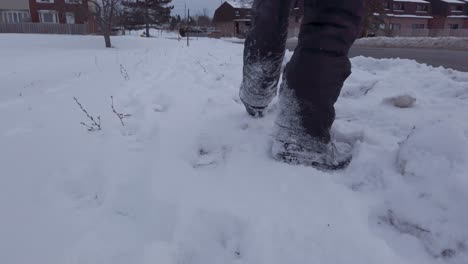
(105, 12)
(150, 13)
(374, 17)
(205, 12)
(202, 19)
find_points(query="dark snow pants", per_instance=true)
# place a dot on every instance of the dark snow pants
(319, 66)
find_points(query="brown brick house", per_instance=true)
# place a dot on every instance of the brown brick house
(59, 11)
(402, 16)
(449, 14)
(234, 18)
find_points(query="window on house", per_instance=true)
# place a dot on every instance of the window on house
(456, 8)
(237, 13)
(422, 8)
(387, 5)
(70, 17)
(46, 16)
(398, 7)
(45, 1)
(395, 26)
(73, 1)
(417, 26)
(453, 26)
(14, 16)
(24, 17)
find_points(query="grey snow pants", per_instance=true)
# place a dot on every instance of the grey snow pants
(319, 66)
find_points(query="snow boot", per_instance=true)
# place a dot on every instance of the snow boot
(254, 111)
(257, 94)
(302, 137)
(322, 156)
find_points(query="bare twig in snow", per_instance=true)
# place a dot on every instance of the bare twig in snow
(124, 72)
(211, 55)
(93, 126)
(204, 69)
(97, 63)
(119, 115)
(370, 87)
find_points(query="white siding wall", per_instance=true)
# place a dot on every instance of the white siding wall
(14, 4)
(14, 16)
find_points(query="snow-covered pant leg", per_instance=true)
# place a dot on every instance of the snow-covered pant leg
(316, 73)
(264, 51)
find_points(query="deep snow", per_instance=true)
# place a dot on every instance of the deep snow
(189, 179)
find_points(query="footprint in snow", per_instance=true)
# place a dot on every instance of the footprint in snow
(161, 103)
(432, 242)
(211, 157)
(358, 90)
(212, 237)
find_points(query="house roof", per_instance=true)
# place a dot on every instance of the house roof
(409, 16)
(412, 1)
(454, 1)
(14, 4)
(404, 16)
(241, 4)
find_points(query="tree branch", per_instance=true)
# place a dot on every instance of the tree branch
(94, 126)
(119, 115)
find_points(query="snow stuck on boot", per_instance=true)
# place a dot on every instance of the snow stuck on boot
(293, 144)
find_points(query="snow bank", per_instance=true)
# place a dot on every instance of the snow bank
(154, 33)
(434, 150)
(451, 43)
(188, 179)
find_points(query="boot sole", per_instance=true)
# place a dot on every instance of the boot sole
(293, 159)
(255, 112)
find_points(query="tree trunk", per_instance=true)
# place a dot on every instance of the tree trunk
(147, 18)
(147, 30)
(107, 39)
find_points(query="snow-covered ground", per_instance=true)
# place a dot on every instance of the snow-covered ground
(450, 43)
(188, 179)
(155, 33)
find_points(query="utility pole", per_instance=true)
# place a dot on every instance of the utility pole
(188, 27)
(147, 19)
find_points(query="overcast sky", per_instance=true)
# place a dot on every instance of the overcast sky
(195, 6)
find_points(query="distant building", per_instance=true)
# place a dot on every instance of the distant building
(59, 11)
(234, 18)
(404, 15)
(14, 11)
(449, 14)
